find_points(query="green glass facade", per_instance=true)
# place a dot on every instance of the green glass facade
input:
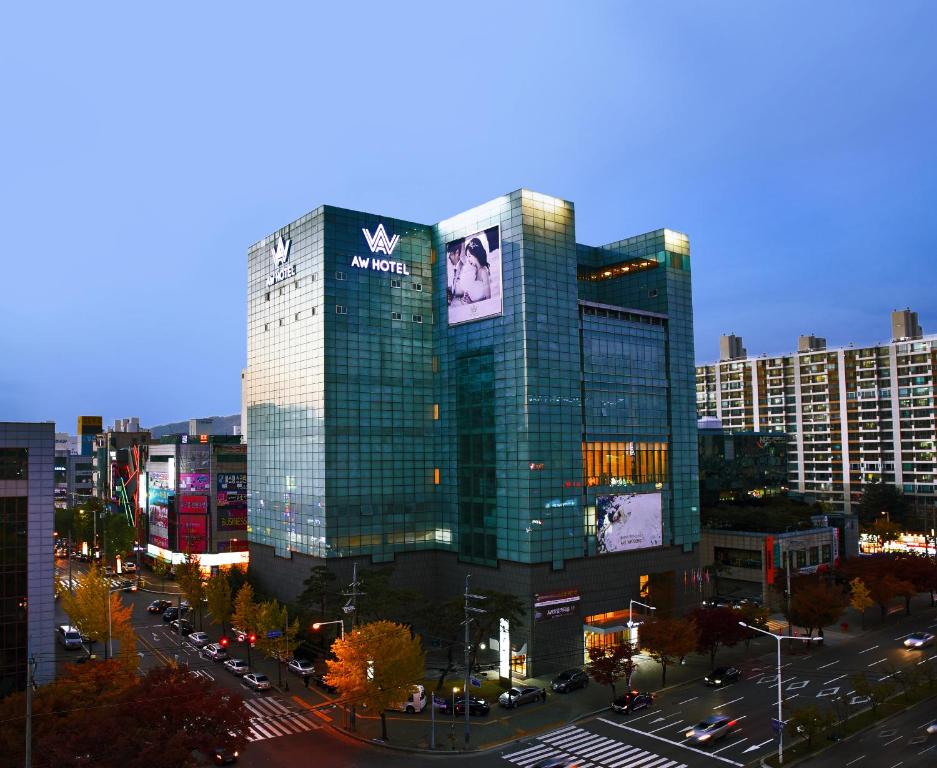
(380, 430)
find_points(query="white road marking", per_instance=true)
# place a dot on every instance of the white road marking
(669, 741)
(830, 682)
(860, 653)
(897, 738)
(903, 636)
(880, 661)
(726, 704)
(733, 744)
(829, 665)
(678, 722)
(757, 746)
(861, 757)
(687, 701)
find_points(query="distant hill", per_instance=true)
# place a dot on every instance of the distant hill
(222, 426)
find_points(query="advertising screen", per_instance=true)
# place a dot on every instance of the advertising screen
(193, 505)
(232, 501)
(474, 277)
(158, 487)
(555, 605)
(193, 481)
(630, 521)
(193, 533)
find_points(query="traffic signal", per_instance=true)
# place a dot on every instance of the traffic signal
(223, 642)
(252, 638)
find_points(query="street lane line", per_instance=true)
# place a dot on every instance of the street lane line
(904, 636)
(861, 757)
(866, 651)
(834, 679)
(829, 665)
(733, 744)
(687, 701)
(726, 704)
(897, 764)
(606, 751)
(671, 742)
(880, 661)
(679, 722)
(897, 738)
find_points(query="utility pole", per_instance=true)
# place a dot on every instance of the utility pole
(469, 610)
(351, 606)
(70, 590)
(30, 681)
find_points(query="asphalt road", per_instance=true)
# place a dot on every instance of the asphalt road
(285, 729)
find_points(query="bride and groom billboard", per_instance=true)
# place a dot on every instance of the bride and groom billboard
(473, 276)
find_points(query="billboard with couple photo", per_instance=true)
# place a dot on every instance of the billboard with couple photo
(473, 276)
(629, 521)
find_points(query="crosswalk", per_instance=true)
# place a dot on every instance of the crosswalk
(270, 718)
(593, 750)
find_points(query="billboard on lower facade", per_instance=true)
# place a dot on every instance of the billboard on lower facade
(556, 605)
(474, 277)
(191, 504)
(628, 521)
(193, 534)
(159, 525)
(231, 501)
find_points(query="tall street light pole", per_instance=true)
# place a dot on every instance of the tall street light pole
(779, 638)
(340, 622)
(632, 604)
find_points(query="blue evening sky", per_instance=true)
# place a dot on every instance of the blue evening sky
(146, 146)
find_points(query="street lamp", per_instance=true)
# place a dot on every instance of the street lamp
(340, 622)
(632, 604)
(779, 638)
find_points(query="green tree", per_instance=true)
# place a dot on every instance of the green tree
(192, 583)
(860, 598)
(245, 613)
(668, 640)
(161, 569)
(879, 498)
(86, 605)
(754, 616)
(610, 664)
(218, 596)
(810, 722)
(815, 604)
(273, 617)
(377, 664)
(319, 591)
(444, 625)
(876, 692)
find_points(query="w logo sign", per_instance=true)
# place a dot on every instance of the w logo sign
(281, 253)
(380, 242)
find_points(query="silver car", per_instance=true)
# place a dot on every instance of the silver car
(712, 728)
(918, 640)
(198, 639)
(215, 652)
(517, 696)
(257, 681)
(301, 667)
(236, 666)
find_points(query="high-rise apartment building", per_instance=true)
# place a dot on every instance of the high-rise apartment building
(480, 395)
(856, 415)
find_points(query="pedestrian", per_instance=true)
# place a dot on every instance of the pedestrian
(543, 694)
(306, 681)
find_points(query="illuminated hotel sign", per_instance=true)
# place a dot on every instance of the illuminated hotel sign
(379, 242)
(281, 256)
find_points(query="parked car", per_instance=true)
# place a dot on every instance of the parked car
(236, 666)
(198, 639)
(569, 680)
(171, 613)
(257, 681)
(632, 701)
(712, 728)
(723, 676)
(477, 707)
(158, 606)
(514, 697)
(918, 640)
(182, 627)
(302, 667)
(222, 756)
(129, 567)
(319, 680)
(215, 652)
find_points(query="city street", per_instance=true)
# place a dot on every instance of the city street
(290, 721)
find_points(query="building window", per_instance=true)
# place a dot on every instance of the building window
(394, 315)
(280, 322)
(267, 296)
(315, 276)
(435, 411)
(340, 310)
(14, 463)
(339, 275)
(394, 283)
(435, 364)
(266, 326)
(313, 311)
(436, 476)
(296, 316)
(418, 318)
(418, 286)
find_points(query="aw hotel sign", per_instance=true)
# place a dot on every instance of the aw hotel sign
(282, 269)
(379, 242)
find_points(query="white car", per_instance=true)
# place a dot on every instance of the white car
(301, 667)
(130, 567)
(919, 640)
(236, 666)
(257, 681)
(932, 728)
(215, 652)
(198, 639)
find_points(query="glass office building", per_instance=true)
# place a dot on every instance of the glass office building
(479, 395)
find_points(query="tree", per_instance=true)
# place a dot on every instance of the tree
(273, 617)
(815, 604)
(668, 640)
(877, 693)
(376, 664)
(885, 530)
(886, 588)
(161, 569)
(754, 616)
(609, 664)
(318, 591)
(192, 583)
(245, 614)
(444, 624)
(717, 627)
(123, 632)
(882, 497)
(86, 606)
(810, 722)
(218, 596)
(497, 606)
(860, 598)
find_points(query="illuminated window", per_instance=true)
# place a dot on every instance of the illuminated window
(643, 585)
(435, 411)
(435, 364)
(436, 476)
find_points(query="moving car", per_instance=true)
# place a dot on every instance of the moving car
(723, 676)
(712, 728)
(198, 639)
(302, 667)
(257, 681)
(130, 567)
(69, 637)
(517, 696)
(918, 640)
(128, 585)
(932, 728)
(215, 652)
(569, 680)
(632, 701)
(236, 666)
(478, 707)
(158, 606)
(222, 756)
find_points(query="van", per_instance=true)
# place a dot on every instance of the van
(69, 636)
(414, 703)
